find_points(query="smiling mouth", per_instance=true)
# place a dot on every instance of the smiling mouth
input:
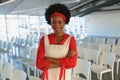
(57, 29)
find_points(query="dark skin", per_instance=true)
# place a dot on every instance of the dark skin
(58, 24)
(55, 62)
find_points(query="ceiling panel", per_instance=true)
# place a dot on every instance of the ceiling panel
(32, 7)
(31, 4)
(8, 6)
(37, 7)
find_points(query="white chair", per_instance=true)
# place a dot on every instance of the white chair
(5, 51)
(19, 75)
(92, 55)
(30, 62)
(1, 44)
(116, 51)
(82, 70)
(93, 39)
(110, 41)
(93, 46)
(25, 55)
(32, 56)
(1, 67)
(85, 44)
(100, 40)
(39, 73)
(106, 65)
(118, 42)
(16, 46)
(33, 78)
(87, 39)
(7, 71)
(104, 48)
(31, 66)
(81, 52)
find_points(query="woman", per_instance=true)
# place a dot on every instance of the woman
(57, 53)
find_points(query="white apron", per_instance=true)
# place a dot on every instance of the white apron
(57, 51)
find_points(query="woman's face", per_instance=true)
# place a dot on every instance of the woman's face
(57, 24)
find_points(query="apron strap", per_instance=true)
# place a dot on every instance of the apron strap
(44, 74)
(62, 73)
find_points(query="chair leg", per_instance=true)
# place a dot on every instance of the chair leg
(101, 75)
(112, 72)
(117, 66)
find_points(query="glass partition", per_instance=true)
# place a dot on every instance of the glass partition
(3, 35)
(24, 27)
(12, 26)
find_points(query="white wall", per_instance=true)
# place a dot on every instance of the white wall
(104, 24)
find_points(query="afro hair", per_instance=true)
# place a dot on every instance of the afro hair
(57, 8)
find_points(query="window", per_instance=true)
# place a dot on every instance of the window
(23, 25)
(12, 26)
(3, 35)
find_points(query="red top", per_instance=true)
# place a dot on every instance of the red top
(68, 62)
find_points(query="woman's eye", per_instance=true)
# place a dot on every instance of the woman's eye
(56, 22)
(60, 22)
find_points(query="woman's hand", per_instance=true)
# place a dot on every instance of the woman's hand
(48, 58)
(53, 60)
(71, 53)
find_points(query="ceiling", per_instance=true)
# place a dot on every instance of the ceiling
(37, 7)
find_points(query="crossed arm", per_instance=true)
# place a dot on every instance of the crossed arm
(55, 62)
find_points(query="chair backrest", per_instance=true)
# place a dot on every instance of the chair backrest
(110, 41)
(93, 39)
(1, 67)
(85, 44)
(87, 39)
(92, 55)
(100, 40)
(19, 75)
(1, 44)
(9, 46)
(118, 42)
(81, 52)
(5, 45)
(82, 67)
(33, 78)
(17, 40)
(33, 53)
(116, 50)
(26, 51)
(7, 71)
(93, 45)
(107, 59)
(23, 43)
(104, 48)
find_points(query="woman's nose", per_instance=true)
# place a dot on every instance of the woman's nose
(56, 25)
